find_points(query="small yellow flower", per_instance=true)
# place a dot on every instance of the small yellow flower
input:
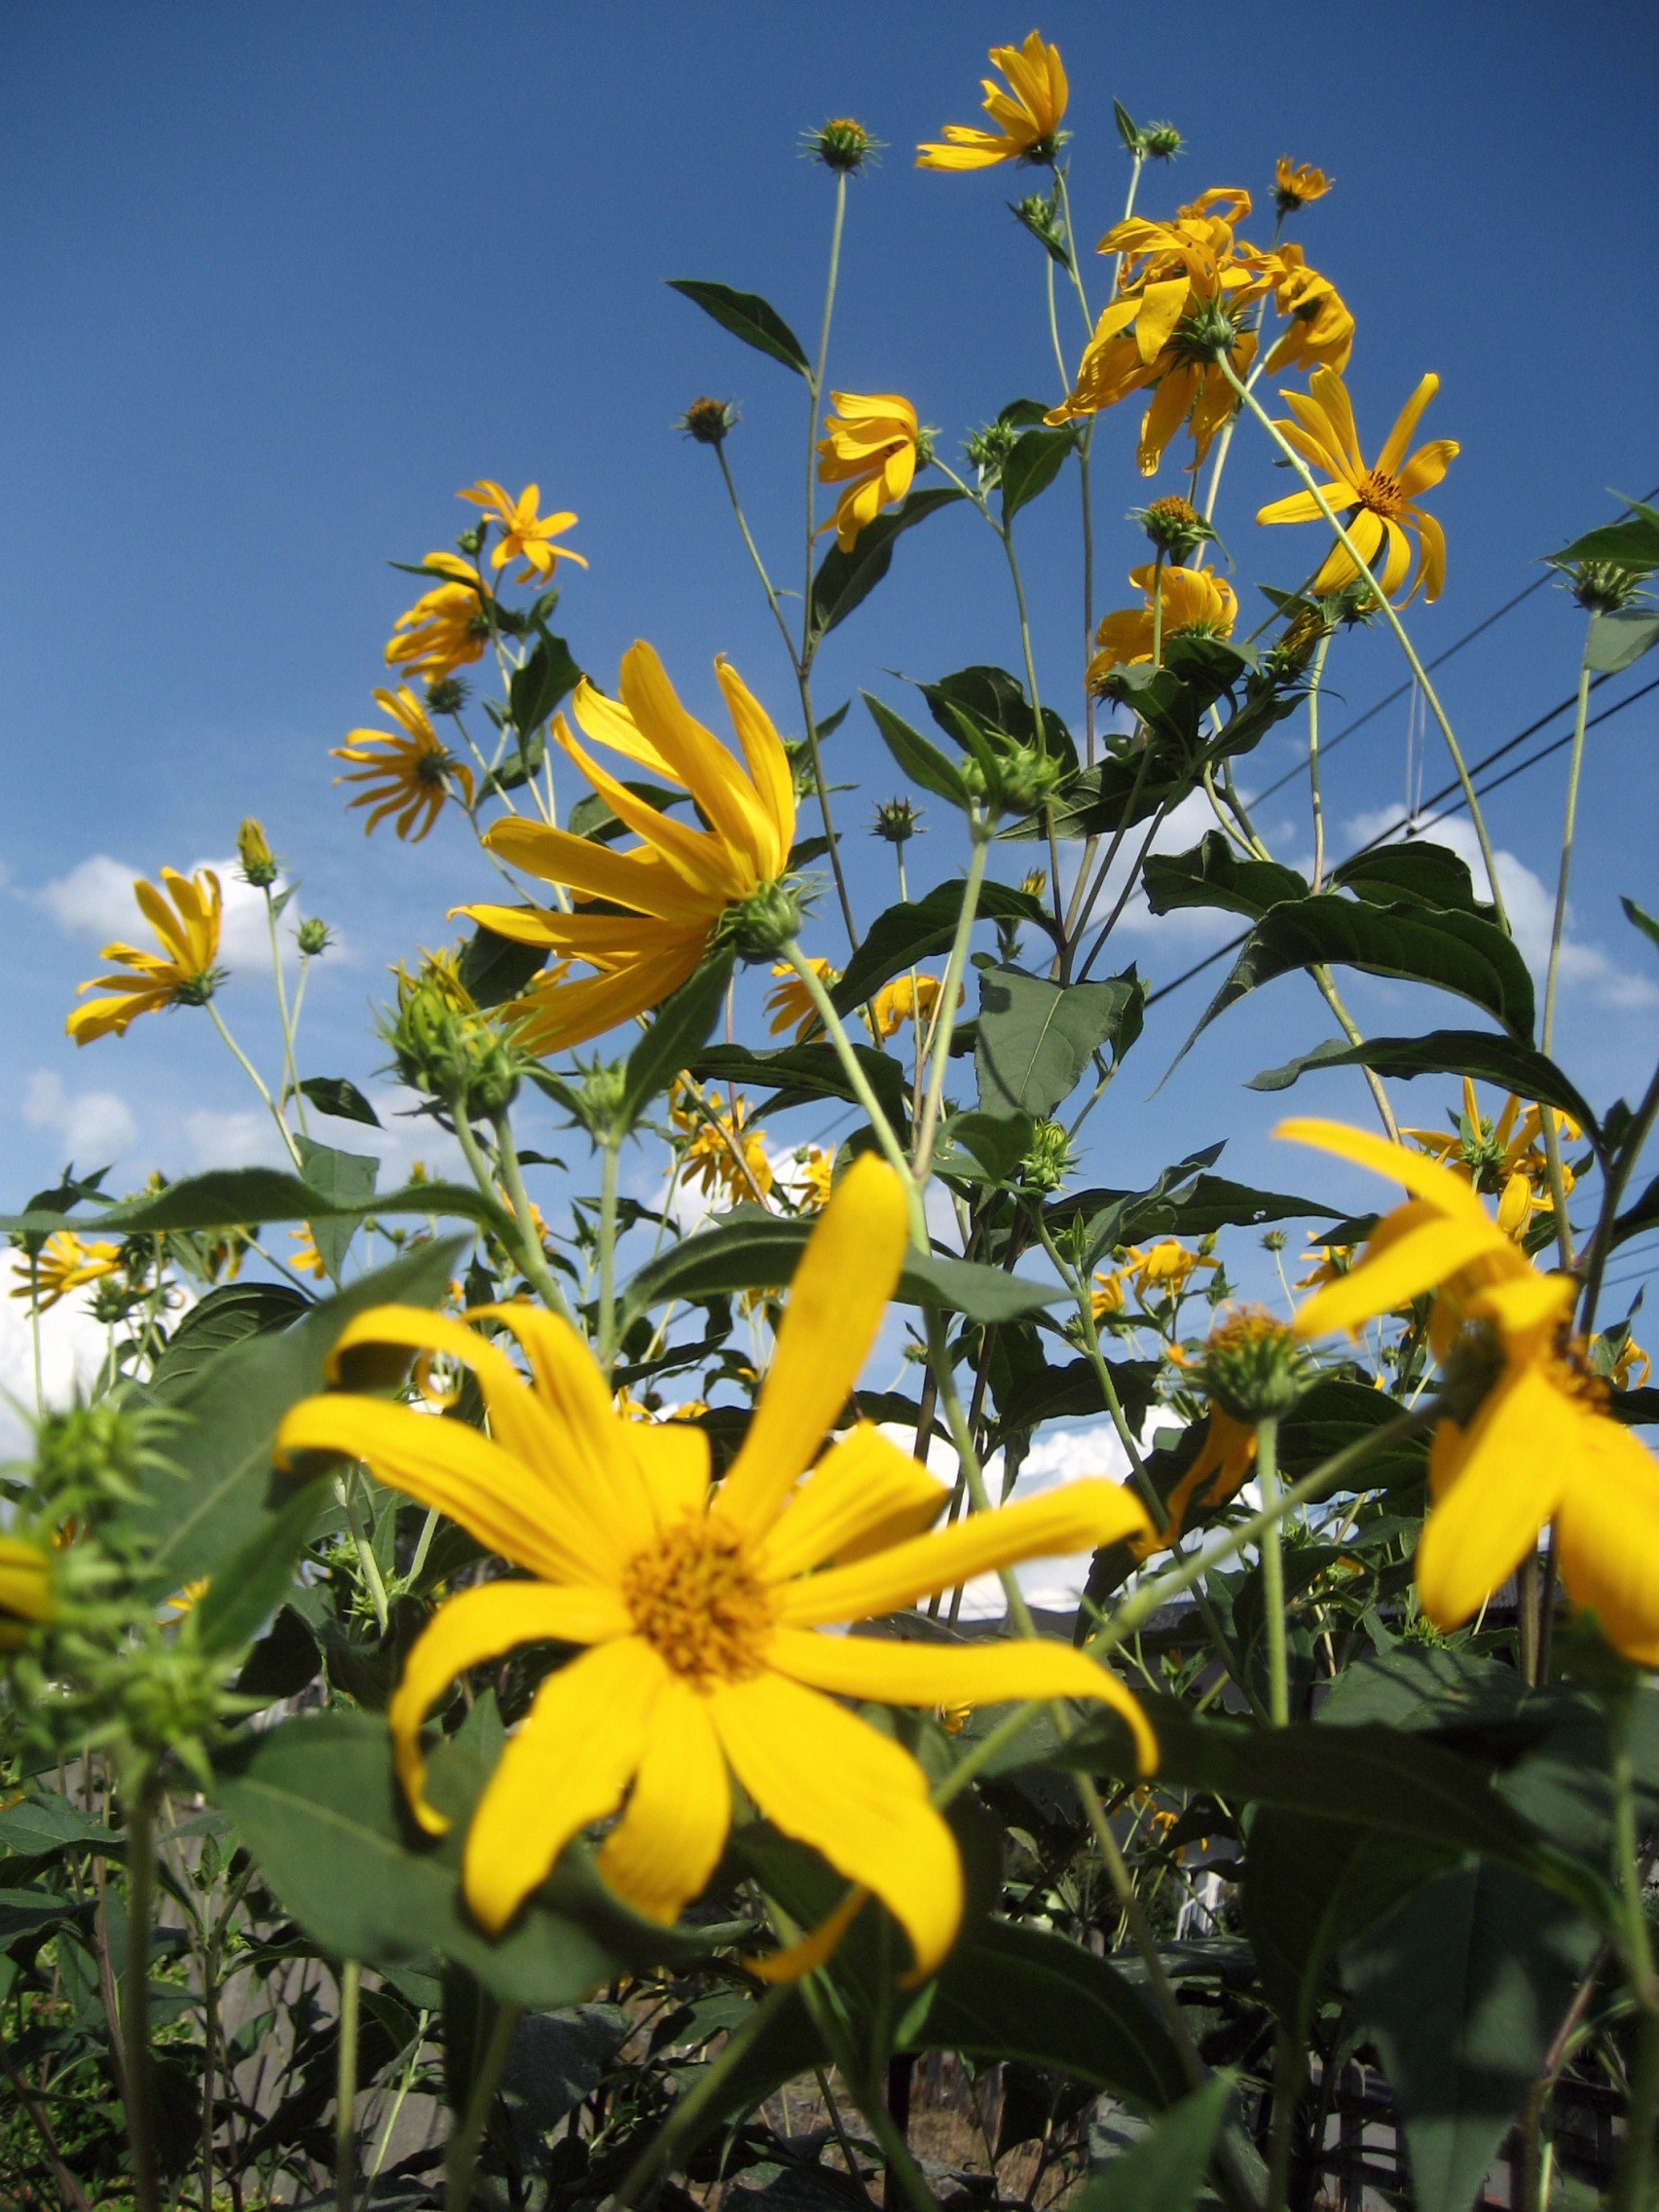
(710, 1161)
(870, 446)
(790, 1005)
(1026, 116)
(1505, 1157)
(1325, 1262)
(409, 776)
(908, 999)
(64, 1264)
(305, 1259)
(815, 1178)
(1164, 1268)
(701, 1608)
(1386, 496)
(1632, 1368)
(185, 1601)
(1296, 183)
(446, 628)
(25, 1591)
(1106, 1297)
(1321, 328)
(953, 1718)
(525, 534)
(182, 974)
(1192, 600)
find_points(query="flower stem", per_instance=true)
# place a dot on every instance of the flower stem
(252, 1073)
(928, 1127)
(1550, 1130)
(1306, 476)
(462, 2154)
(1632, 2185)
(135, 1988)
(833, 1029)
(606, 1350)
(1005, 533)
(362, 1539)
(1314, 682)
(657, 2157)
(290, 1071)
(530, 1255)
(345, 2088)
(1272, 1572)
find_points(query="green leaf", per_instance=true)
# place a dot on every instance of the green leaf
(347, 1180)
(799, 1074)
(678, 1030)
(1164, 2170)
(495, 968)
(1462, 1988)
(224, 1317)
(844, 580)
(537, 687)
(235, 1198)
(1639, 920)
(1211, 876)
(333, 1094)
(1631, 543)
(1035, 1038)
(245, 1594)
(996, 702)
(1430, 876)
(31, 1912)
(591, 817)
(1478, 1052)
(1337, 1412)
(1031, 467)
(909, 932)
(998, 1142)
(1620, 637)
(916, 755)
(747, 315)
(1453, 953)
(48, 1826)
(1127, 130)
(215, 1493)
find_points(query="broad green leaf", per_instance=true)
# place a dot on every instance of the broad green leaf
(1482, 1053)
(998, 1142)
(1620, 637)
(496, 968)
(347, 1180)
(1631, 543)
(1213, 875)
(591, 817)
(909, 932)
(233, 1197)
(224, 1317)
(1128, 130)
(30, 1912)
(678, 1030)
(916, 755)
(1337, 1412)
(537, 687)
(217, 1491)
(747, 315)
(798, 1074)
(1164, 2170)
(1032, 466)
(996, 702)
(1073, 1392)
(333, 1094)
(46, 1825)
(1035, 1038)
(1430, 876)
(1182, 1203)
(1453, 953)
(844, 580)
(1462, 1988)
(248, 1588)
(1639, 920)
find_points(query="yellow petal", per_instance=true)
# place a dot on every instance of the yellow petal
(481, 1623)
(828, 1779)
(1077, 1517)
(768, 762)
(674, 1457)
(1513, 1464)
(847, 1273)
(673, 1828)
(1162, 308)
(567, 1765)
(1400, 437)
(814, 1950)
(1402, 1269)
(595, 871)
(700, 762)
(1608, 1527)
(1419, 1175)
(864, 1495)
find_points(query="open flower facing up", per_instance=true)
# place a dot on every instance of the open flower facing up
(1529, 1440)
(672, 892)
(1192, 600)
(701, 1608)
(1505, 1157)
(909, 998)
(446, 628)
(1385, 497)
(1296, 183)
(712, 1156)
(409, 776)
(1320, 333)
(788, 1005)
(525, 534)
(870, 446)
(63, 1264)
(1027, 118)
(181, 973)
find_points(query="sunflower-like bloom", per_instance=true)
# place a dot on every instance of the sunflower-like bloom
(25, 1591)
(1192, 600)
(789, 1004)
(1632, 1368)
(1186, 285)
(409, 776)
(1385, 496)
(1505, 1157)
(1320, 334)
(1223, 1465)
(1106, 1296)
(814, 1180)
(674, 889)
(909, 998)
(1296, 183)
(525, 535)
(63, 1264)
(181, 973)
(712, 1156)
(1540, 1445)
(700, 1606)
(446, 628)
(1026, 116)
(1165, 1267)
(870, 446)
(305, 1259)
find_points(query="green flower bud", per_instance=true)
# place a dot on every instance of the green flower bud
(841, 144)
(446, 1048)
(762, 924)
(896, 821)
(313, 938)
(1251, 1365)
(1048, 1162)
(258, 867)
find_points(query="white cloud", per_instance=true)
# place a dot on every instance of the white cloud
(95, 901)
(1531, 905)
(1178, 833)
(71, 1351)
(241, 1139)
(95, 1126)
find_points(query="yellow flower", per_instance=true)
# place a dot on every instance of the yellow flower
(701, 1606)
(446, 628)
(1632, 1368)
(1186, 285)
(953, 1718)
(525, 534)
(1166, 1267)
(710, 1161)
(1192, 600)
(181, 973)
(408, 776)
(1296, 183)
(674, 889)
(1385, 496)
(1225, 1459)
(305, 1259)
(25, 1591)
(869, 444)
(788, 1005)
(1325, 1262)
(815, 1178)
(1026, 116)
(1321, 328)
(911, 998)
(64, 1264)
(1538, 1446)
(1505, 1157)
(185, 1601)
(1107, 1296)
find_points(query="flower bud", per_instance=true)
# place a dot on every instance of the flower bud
(1251, 1365)
(1174, 527)
(1048, 1161)
(842, 145)
(708, 420)
(258, 867)
(313, 938)
(1160, 142)
(1601, 587)
(762, 924)
(446, 1048)
(446, 696)
(896, 821)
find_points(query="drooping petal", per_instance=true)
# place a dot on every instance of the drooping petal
(1433, 542)
(567, 1765)
(863, 1495)
(828, 1779)
(478, 1625)
(1421, 1176)
(595, 871)
(558, 1015)
(711, 865)
(674, 1827)
(1422, 1259)
(837, 1297)
(1511, 1465)
(768, 762)
(1607, 1527)
(700, 762)
(1162, 305)
(1426, 466)
(1004, 1673)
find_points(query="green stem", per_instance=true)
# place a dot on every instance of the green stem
(954, 971)
(1551, 1133)
(1306, 476)
(1314, 682)
(605, 1351)
(766, 584)
(252, 1073)
(1005, 533)
(687, 2118)
(1289, 2068)
(290, 1071)
(1615, 1174)
(362, 1539)
(406, 2082)
(1632, 2187)
(34, 1333)
(834, 1030)
(1272, 1572)
(532, 1257)
(135, 1989)
(1325, 983)
(345, 2088)
(461, 2155)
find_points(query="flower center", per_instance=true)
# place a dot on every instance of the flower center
(696, 1600)
(1380, 493)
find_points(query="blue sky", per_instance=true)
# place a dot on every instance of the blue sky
(278, 281)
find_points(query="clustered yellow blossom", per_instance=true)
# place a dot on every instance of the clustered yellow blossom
(1319, 329)
(1296, 183)
(525, 534)
(789, 1004)
(910, 998)
(181, 973)
(1163, 1268)
(63, 1264)
(869, 447)
(1026, 116)
(814, 1178)
(446, 628)
(1193, 602)
(305, 1259)
(1505, 1157)
(720, 1141)
(409, 776)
